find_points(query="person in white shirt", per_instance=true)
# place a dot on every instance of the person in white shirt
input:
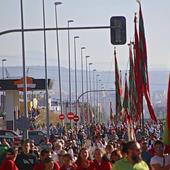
(160, 161)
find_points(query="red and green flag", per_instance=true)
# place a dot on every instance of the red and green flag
(137, 71)
(143, 51)
(111, 113)
(144, 66)
(166, 135)
(133, 97)
(126, 96)
(117, 87)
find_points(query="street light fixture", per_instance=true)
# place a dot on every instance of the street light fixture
(90, 81)
(57, 3)
(94, 70)
(46, 74)
(3, 77)
(3, 60)
(75, 58)
(87, 86)
(90, 101)
(69, 62)
(25, 134)
(58, 54)
(82, 85)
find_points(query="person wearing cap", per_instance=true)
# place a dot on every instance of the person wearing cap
(9, 162)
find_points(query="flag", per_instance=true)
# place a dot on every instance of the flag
(128, 118)
(130, 128)
(117, 86)
(120, 83)
(111, 113)
(126, 97)
(144, 65)
(150, 107)
(137, 71)
(166, 135)
(133, 98)
(143, 51)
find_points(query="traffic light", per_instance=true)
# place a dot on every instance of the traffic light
(118, 30)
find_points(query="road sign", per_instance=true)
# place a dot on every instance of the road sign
(118, 30)
(23, 123)
(61, 116)
(70, 115)
(76, 118)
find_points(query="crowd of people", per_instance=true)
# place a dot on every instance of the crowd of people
(90, 147)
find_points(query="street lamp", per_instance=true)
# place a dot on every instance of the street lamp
(23, 66)
(94, 70)
(82, 85)
(99, 104)
(69, 63)
(3, 76)
(97, 97)
(90, 82)
(75, 59)
(58, 54)
(90, 90)
(87, 86)
(46, 74)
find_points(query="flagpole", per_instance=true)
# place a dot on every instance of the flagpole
(142, 121)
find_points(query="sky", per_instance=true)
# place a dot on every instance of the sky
(97, 42)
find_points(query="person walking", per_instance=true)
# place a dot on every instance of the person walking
(9, 162)
(160, 161)
(25, 160)
(133, 160)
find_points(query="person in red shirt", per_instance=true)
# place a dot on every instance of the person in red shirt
(83, 162)
(68, 163)
(9, 162)
(45, 153)
(48, 164)
(98, 162)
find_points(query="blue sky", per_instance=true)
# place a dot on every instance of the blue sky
(84, 13)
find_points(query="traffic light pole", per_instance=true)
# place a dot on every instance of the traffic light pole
(92, 91)
(54, 29)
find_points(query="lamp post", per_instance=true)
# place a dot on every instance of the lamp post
(46, 79)
(58, 54)
(94, 70)
(25, 135)
(3, 76)
(87, 86)
(97, 96)
(82, 85)
(90, 87)
(69, 65)
(99, 104)
(75, 59)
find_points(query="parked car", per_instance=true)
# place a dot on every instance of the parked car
(12, 137)
(36, 135)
